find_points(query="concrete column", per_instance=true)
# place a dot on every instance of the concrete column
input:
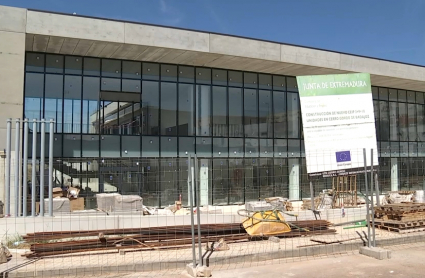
(394, 175)
(12, 57)
(294, 178)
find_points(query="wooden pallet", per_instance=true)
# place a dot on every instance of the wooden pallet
(400, 224)
(400, 231)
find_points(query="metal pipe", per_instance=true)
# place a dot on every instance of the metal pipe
(366, 198)
(51, 168)
(371, 198)
(198, 212)
(378, 202)
(17, 147)
(25, 171)
(8, 165)
(34, 165)
(192, 220)
(313, 207)
(42, 154)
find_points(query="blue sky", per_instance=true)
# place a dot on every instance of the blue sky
(387, 29)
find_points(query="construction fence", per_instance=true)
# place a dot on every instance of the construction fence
(124, 215)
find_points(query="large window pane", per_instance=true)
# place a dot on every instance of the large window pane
(219, 77)
(132, 86)
(169, 181)
(265, 81)
(150, 146)
(251, 147)
(293, 116)
(90, 120)
(186, 74)
(168, 73)
(150, 71)
(393, 121)
(266, 114)
(131, 69)
(266, 177)
(111, 68)
(34, 88)
(168, 146)
(203, 147)
(34, 62)
(219, 96)
(220, 180)
(235, 112)
(53, 99)
(420, 122)
(402, 121)
(235, 78)
(281, 177)
(411, 121)
(250, 80)
(291, 84)
(252, 188)
(266, 147)
(376, 113)
(186, 146)
(72, 143)
(109, 117)
(186, 109)
(130, 146)
(203, 76)
(250, 113)
(73, 65)
(110, 146)
(203, 110)
(168, 108)
(72, 104)
(91, 66)
(90, 145)
(150, 108)
(220, 147)
(111, 84)
(236, 181)
(279, 118)
(384, 121)
(54, 63)
(236, 147)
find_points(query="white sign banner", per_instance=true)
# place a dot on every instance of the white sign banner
(338, 123)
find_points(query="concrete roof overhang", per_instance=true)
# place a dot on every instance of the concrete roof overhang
(85, 36)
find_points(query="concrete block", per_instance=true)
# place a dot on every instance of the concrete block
(12, 19)
(376, 252)
(198, 271)
(258, 206)
(244, 47)
(166, 37)
(70, 26)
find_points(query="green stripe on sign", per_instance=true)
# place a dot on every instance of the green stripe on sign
(335, 84)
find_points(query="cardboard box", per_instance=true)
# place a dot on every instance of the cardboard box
(76, 204)
(57, 192)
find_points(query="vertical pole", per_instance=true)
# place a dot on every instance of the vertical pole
(42, 157)
(378, 202)
(51, 168)
(25, 171)
(192, 220)
(371, 198)
(34, 165)
(17, 146)
(366, 198)
(313, 207)
(8, 166)
(198, 212)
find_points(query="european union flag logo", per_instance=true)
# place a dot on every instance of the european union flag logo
(343, 156)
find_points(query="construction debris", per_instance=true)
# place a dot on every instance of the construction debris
(4, 254)
(398, 197)
(401, 218)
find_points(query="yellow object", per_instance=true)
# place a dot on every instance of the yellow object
(265, 223)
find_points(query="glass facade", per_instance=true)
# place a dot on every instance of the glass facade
(126, 126)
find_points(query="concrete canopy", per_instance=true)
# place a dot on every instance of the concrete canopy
(85, 36)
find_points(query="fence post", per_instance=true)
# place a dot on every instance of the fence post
(51, 168)
(192, 220)
(8, 165)
(17, 146)
(42, 157)
(198, 212)
(25, 171)
(371, 198)
(34, 165)
(366, 198)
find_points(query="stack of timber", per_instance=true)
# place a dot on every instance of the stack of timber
(401, 218)
(46, 244)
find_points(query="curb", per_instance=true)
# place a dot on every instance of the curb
(175, 264)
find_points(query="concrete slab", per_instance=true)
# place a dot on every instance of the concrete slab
(13, 19)
(376, 252)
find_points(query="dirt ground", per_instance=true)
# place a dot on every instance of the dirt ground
(406, 261)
